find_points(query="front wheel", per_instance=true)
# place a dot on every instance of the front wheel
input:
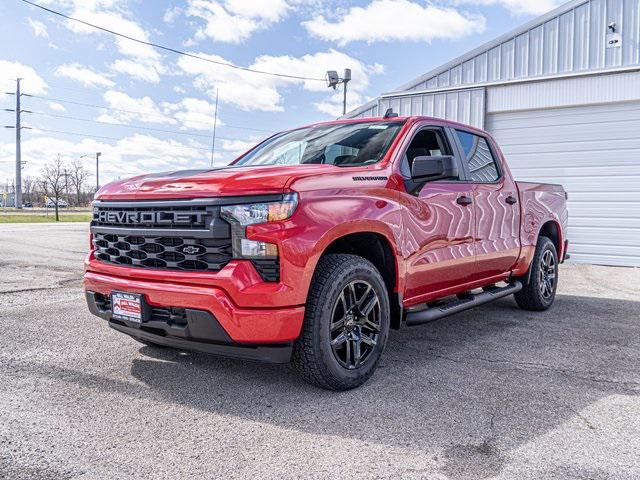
(539, 291)
(346, 323)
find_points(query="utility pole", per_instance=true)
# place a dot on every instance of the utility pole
(215, 123)
(18, 194)
(18, 126)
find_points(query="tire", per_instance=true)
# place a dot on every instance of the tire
(346, 317)
(539, 292)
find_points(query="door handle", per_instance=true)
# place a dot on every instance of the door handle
(464, 200)
(511, 200)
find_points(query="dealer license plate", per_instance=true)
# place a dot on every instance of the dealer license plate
(126, 306)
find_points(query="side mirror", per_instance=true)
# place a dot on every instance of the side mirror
(434, 168)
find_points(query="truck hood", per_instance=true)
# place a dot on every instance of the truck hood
(216, 182)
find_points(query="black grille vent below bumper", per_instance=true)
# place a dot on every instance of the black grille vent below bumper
(170, 253)
(269, 270)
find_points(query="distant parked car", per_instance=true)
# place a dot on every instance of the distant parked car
(51, 203)
(27, 205)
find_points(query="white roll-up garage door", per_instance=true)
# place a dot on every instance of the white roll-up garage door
(594, 151)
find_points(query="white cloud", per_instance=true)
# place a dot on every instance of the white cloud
(39, 28)
(31, 81)
(141, 71)
(56, 107)
(170, 14)
(127, 109)
(519, 7)
(192, 114)
(84, 75)
(249, 91)
(234, 21)
(112, 14)
(395, 20)
(132, 155)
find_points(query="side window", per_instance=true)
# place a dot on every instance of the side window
(478, 157)
(426, 143)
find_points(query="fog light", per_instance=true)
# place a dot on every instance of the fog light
(253, 249)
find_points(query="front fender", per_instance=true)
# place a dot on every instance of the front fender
(320, 220)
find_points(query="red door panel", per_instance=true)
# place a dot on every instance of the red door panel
(438, 239)
(497, 228)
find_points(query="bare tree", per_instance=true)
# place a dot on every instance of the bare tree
(53, 181)
(78, 178)
(28, 189)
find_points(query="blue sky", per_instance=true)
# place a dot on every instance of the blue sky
(385, 42)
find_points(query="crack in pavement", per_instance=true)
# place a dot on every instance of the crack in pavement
(626, 384)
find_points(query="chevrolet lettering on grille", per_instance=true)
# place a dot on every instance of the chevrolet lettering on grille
(151, 217)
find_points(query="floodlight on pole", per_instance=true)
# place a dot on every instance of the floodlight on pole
(333, 80)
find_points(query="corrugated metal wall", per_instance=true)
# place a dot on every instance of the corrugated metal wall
(572, 42)
(594, 152)
(464, 106)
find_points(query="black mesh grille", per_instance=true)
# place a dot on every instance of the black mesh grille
(171, 253)
(269, 269)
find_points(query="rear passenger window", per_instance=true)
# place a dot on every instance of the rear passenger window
(478, 157)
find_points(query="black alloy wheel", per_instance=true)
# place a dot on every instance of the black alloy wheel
(355, 324)
(547, 274)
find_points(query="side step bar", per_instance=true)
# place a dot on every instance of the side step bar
(461, 304)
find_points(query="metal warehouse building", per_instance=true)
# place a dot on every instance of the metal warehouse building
(562, 97)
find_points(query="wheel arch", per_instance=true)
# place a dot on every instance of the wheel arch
(380, 251)
(552, 230)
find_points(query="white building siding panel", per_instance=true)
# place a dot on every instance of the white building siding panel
(594, 151)
(617, 87)
(574, 40)
(465, 106)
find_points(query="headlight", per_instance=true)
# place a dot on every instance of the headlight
(253, 213)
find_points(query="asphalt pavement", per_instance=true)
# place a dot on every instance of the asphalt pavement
(495, 392)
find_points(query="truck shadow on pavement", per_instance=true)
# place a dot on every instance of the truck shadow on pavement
(472, 387)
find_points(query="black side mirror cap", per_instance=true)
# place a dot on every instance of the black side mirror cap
(434, 168)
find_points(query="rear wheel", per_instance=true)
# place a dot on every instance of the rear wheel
(346, 323)
(539, 292)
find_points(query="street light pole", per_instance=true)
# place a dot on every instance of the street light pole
(98, 170)
(98, 154)
(333, 80)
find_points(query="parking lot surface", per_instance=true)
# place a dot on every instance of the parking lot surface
(495, 392)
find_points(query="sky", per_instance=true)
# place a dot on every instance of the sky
(149, 110)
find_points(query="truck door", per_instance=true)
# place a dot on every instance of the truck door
(495, 201)
(438, 223)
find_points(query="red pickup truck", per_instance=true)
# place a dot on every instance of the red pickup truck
(311, 246)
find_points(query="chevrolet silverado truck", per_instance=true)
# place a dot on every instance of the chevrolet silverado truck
(311, 246)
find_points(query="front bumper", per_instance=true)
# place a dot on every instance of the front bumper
(214, 323)
(200, 332)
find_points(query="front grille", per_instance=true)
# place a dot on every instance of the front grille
(172, 253)
(183, 235)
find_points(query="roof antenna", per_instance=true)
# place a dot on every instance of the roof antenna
(389, 114)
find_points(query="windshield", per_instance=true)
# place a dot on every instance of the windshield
(343, 145)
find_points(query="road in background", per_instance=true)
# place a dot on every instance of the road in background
(493, 392)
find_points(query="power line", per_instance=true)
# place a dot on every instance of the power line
(54, 115)
(139, 112)
(170, 49)
(103, 137)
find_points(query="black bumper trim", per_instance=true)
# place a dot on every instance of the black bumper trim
(202, 333)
